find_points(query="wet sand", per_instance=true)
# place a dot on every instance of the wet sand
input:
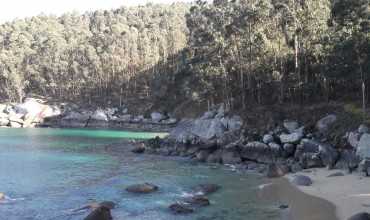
(301, 205)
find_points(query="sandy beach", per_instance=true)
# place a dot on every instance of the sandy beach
(328, 198)
(301, 206)
(349, 193)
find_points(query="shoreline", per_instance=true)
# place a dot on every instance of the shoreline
(299, 205)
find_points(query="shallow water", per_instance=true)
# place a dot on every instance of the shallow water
(49, 172)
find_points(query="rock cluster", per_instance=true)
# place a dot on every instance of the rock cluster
(30, 113)
(36, 112)
(218, 137)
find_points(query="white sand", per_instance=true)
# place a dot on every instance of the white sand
(350, 193)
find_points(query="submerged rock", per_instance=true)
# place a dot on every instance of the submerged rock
(142, 188)
(301, 180)
(138, 149)
(180, 208)
(207, 188)
(101, 213)
(198, 200)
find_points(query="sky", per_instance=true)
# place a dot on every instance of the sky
(13, 9)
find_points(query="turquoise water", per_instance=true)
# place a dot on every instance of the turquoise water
(49, 172)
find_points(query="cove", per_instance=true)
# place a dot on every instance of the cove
(49, 172)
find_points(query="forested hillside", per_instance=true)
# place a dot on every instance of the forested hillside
(91, 57)
(239, 52)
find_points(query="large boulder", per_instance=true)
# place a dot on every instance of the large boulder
(260, 152)
(292, 138)
(363, 149)
(157, 117)
(324, 124)
(268, 138)
(208, 129)
(99, 115)
(347, 160)
(291, 126)
(353, 138)
(301, 180)
(328, 155)
(363, 129)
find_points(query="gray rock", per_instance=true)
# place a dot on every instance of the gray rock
(231, 157)
(208, 129)
(275, 147)
(360, 216)
(268, 138)
(180, 208)
(234, 123)
(197, 200)
(363, 149)
(157, 117)
(142, 188)
(202, 155)
(215, 157)
(365, 166)
(289, 149)
(4, 121)
(328, 155)
(260, 152)
(99, 115)
(363, 129)
(324, 124)
(310, 160)
(347, 160)
(353, 138)
(291, 126)
(301, 180)
(292, 138)
(100, 213)
(208, 115)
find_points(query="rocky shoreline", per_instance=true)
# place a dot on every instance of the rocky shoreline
(218, 137)
(38, 113)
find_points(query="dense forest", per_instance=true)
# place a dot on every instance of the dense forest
(240, 52)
